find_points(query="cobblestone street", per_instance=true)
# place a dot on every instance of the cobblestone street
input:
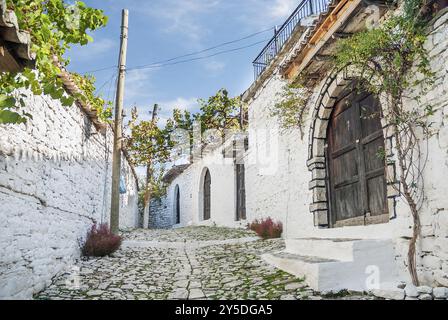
(187, 263)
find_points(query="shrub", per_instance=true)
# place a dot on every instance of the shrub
(100, 242)
(267, 228)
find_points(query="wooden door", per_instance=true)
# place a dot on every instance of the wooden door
(177, 206)
(240, 193)
(207, 195)
(356, 162)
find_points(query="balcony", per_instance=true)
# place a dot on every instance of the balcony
(305, 9)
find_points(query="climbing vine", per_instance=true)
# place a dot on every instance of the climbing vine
(86, 83)
(53, 26)
(388, 61)
(291, 110)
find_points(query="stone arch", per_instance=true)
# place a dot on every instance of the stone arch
(204, 173)
(333, 86)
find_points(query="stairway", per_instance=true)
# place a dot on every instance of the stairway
(337, 264)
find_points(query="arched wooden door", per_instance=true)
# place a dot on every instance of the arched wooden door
(177, 205)
(357, 183)
(207, 195)
(240, 192)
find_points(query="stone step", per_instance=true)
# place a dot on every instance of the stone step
(338, 264)
(339, 249)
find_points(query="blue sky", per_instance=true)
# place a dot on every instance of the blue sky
(162, 29)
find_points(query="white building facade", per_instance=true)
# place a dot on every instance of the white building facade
(290, 175)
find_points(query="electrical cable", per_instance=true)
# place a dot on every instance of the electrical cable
(188, 54)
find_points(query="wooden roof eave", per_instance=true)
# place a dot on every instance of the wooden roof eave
(317, 39)
(16, 43)
(72, 89)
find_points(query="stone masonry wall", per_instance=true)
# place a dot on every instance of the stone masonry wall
(432, 256)
(55, 179)
(160, 214)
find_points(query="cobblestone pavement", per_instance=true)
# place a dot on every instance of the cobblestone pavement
(188, 263)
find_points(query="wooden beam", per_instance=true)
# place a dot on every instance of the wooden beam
(329, 26)
(8, 62)
(342, 35)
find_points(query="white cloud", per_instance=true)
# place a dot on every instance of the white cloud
(282, 8)
(179, 103)
(138, 87)
(93, 49)
(262, 14)
(214, 66)
(183, 16)
(165, 109)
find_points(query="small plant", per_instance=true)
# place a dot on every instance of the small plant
(267, 228)
(100, 242)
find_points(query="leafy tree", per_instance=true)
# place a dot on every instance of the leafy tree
(180, 130)
(147, 142)
(148, 145)
(221, 112)
(53, 26)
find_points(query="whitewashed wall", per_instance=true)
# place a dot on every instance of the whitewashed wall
(223, 193)
(277, 177)
(282, 192)
(55, 179)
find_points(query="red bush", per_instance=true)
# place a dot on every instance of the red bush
(100, 242)
(267, 228)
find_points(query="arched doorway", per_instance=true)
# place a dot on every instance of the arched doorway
(240, 192)
(207, 195)
(177, 204)
(355, 158)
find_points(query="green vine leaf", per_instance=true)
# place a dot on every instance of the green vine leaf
(291, 110)
(8, 117)
(54, 26)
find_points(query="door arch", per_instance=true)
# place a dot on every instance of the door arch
(240, 192)
(177, 204)
(357, 184)
(207, 195)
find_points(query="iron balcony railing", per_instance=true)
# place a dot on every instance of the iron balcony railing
(305, 9)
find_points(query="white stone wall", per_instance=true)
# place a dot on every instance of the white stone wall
(55, 179)
(278, 178)
(223, 192)
(283, 193)
(433, 246)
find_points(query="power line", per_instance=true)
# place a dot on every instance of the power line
(106, 82)
(188, 54)
(195, 59)
(114, 81)
(202, 51)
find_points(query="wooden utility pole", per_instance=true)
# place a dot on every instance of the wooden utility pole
(118, 126)
(155, 111)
